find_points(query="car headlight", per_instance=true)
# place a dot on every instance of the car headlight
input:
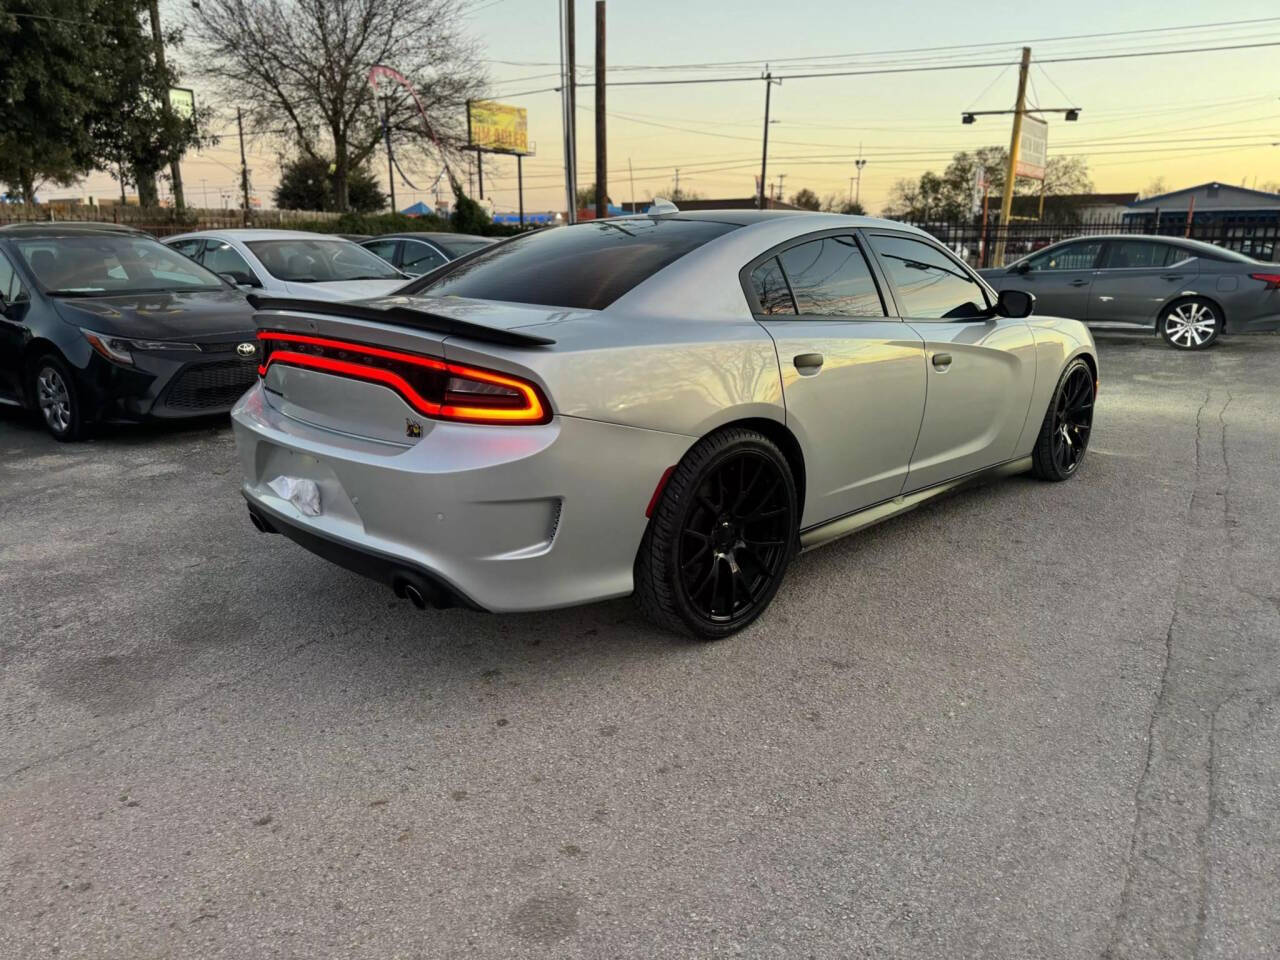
(113, 348)
(118, 348)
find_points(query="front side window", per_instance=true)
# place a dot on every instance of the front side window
(930, 284)
(586, 266)
(830, 278)
(222, 258)
(111, 264)
(1069, 256)
(771, 289)
(419, 257)
(188, 248)
(11, 288)
(310, 260)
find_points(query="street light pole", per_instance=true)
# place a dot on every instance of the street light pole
(859, 164)
(1006, 201)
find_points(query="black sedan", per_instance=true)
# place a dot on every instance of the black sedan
(106, 323)
(419, 253)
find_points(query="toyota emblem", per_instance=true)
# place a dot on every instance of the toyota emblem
(246, 350)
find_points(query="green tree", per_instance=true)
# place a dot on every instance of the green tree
(80, 89)
(806, 199)
(306, 183)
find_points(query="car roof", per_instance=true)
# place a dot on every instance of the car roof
(443, 236)
(799, 221)
(63, 229)
(249, 234)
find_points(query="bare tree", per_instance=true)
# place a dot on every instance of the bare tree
(299, 68)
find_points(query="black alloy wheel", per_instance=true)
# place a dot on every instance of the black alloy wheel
(1064, 436)
(721, 536)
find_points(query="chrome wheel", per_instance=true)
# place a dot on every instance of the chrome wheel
(1191, 325)
(54, 399)
(1072, 420)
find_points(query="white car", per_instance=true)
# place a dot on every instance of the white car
(293, 263)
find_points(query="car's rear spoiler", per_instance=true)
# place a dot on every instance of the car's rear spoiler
(403, 316)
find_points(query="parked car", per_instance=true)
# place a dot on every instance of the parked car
(106, 323)
(670, 404)
(1189, 292)
(418, 253)
(320, 266)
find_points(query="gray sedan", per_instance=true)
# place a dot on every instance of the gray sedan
(1187, 291)
(670, 405)
(419, 253)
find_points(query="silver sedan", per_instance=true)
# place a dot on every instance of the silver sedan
(669, 405)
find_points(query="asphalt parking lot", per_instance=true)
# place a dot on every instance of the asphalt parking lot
(1030, 720)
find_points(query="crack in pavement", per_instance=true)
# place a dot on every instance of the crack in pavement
(1206, 663)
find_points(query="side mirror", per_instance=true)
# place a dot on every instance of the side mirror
(1023, 266)
(1015, 304)
(239, 280)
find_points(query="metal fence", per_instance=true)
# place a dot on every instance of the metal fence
(976, 245)
(164, 221)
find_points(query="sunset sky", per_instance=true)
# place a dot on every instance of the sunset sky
(1186, 118)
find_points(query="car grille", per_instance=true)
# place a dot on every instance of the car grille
(211, 386)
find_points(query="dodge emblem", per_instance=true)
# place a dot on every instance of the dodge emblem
(246, 350)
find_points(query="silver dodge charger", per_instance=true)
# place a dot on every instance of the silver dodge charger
(669, 405)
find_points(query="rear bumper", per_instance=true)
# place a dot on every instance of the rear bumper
(506, 518)
(1265, 323)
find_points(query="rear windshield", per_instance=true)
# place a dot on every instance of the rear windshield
(589, 265)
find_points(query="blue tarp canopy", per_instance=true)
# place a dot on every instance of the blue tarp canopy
(419, 209)
(528, 218)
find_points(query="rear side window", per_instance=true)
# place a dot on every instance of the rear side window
(589, 265)
(830, 278)
(771, 289)
(929, 283)
(1128, 254)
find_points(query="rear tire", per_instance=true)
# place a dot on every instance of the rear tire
(720, 538)
(57, 401)
(1064, 435)
(1190, 324)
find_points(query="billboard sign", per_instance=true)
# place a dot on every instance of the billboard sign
(183, 102)
(498, 127)
(1033, 148)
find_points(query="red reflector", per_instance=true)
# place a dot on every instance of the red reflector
(433, 387)
(1272, 280)
(657, 491)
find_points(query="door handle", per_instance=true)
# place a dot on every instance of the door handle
(808, 363)
(941, 361)
(1171, 276)
(1078, 283)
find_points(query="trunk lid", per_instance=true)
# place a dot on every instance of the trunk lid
(334, 399)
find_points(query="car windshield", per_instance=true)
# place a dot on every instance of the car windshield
(589, 265)
(106, 264)
(459, 246)
(309, 260)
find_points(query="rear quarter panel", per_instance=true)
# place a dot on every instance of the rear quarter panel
(686, 376)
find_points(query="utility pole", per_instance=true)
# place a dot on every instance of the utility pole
(244, 168)
(764, 155)
(520, 185)
(602, 176)
(179, 201)
(781, 177)
(391, 163)
(676, 189)
(1006, 201)
(858, 165)
(569, 104)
